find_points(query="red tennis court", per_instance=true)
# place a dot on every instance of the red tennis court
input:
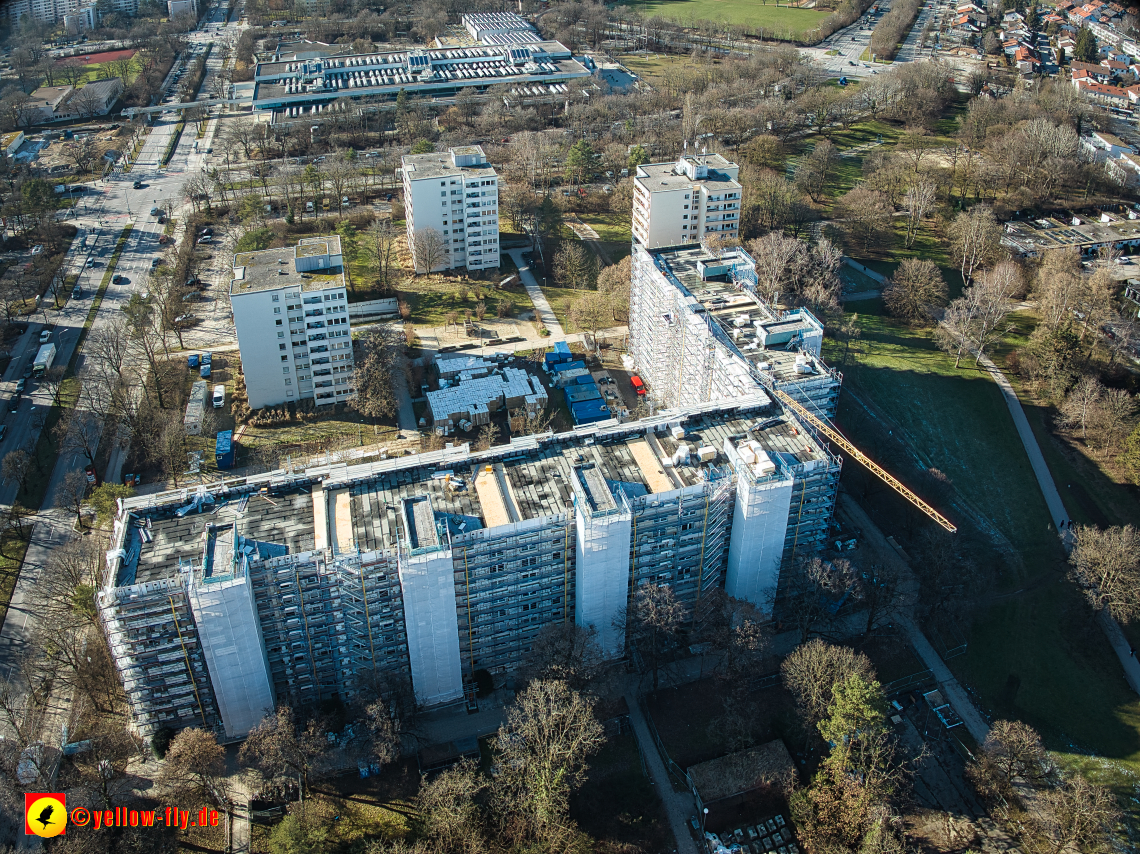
(96, 58)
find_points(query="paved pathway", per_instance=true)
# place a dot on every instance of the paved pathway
(1060, 515)
(866, 271)
(541, 306)
(679, 807)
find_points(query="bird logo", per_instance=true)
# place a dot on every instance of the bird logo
(45, 814)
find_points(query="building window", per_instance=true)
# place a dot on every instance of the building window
(277, 310)
(280, 334)
(288, 382)
(281, 346)
(285, 359)
(285, 369)
(278, 322)
(276, 297)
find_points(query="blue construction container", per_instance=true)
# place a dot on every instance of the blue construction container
(586, 380)
(561, 353)
(589, 411)
(224, 449)
(578, 365)
(581, 393)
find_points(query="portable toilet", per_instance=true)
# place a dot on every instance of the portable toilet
(224, 449)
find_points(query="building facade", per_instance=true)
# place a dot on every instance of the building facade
(81, 20)
(177, 8)
(454, 198)
(688, 201)
(431, 567)
(290, 310)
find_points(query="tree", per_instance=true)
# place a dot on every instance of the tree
(1011, 750)
(72, 491)
(429, 250)
(1077, 816)
(575, 266)
(105, 499)
(652, 622)
(865, 216)
(1085, 50)
(812, 671)
(82, 153)
(812, 592)
(919, 202)
(915, 289)
(614, 283)
(540, 756)
(380, 246)
(1079, 407)
(566, 652)
(16, 467)
(195, 768)
(1105, 564)
(450, 812)
(488, 433)
(296, 834)
(975, 239)
(813, 172)
(978, 317)
(637, 156)
(282, 744)
(422, 146)
(858, 708)
(579, 161)
(378, 369)
(591, 312)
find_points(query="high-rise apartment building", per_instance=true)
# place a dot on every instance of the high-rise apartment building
(290, 310)
(454, 198)
(301, 586)
(688, 201)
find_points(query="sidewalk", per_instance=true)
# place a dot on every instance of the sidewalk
(542, 308)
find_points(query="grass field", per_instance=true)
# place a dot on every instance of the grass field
(775, 21)
(1034, 652)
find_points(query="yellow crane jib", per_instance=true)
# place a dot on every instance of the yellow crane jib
(876, 469)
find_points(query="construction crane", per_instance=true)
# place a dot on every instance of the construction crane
(876, 469)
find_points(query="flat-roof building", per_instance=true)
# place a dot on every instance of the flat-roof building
(291, 315)
(687, 201)
(454, 197)
(1030, 238)
(430, 567)
(308, 84)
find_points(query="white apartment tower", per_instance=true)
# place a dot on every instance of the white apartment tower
(290, 310)
(686, 202)
(456, 194)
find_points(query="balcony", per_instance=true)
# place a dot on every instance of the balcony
(324, 384)
(322, 361)
(319, 337)
(326, 372)
(311, 300)
(320, 324)
(322, 348)
(318, 313)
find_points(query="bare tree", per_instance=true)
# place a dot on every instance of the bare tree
(541, 754)
(866, 217)
(195, 767)
(575, 266)
(1012, 750)
(281, 744)
(378, 369)
(975, 239)
(568, 653)
(915, 289)
(918, 202)
(72, 491)
(811, 673)
(651, 623)
(380, 246)
(1079, 407)
(1077, 816)
(16, 467)
(1105, 564)
(429, 250)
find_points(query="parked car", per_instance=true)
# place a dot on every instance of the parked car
(14, 403)
(184, 318)
(117, 279)
(206, 239)
(21, 384)
(154, 262)
(45, 336)
(219, 396)
(138, 185)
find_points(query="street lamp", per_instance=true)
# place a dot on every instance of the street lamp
(704, 816)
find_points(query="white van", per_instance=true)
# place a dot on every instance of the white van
(308, 207)
(219, 396)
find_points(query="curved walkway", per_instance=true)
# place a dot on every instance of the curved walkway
(541, 307)
(1060, 516)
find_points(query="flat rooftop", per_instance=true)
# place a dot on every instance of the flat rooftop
(737, 312)
(1033, 236)
(419, 167)
(269, 269)
(395, 503)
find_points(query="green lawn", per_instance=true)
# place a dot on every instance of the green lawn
(560, 299)
(775, 21)
(12, 549)
(1034, 652)
(611, 227)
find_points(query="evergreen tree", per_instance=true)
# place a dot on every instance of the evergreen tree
(1086, 48)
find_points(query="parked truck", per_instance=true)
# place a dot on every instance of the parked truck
(43, 361)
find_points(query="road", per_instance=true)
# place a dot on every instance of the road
(110, 206)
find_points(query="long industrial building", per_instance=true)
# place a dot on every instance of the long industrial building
(306, 83)
(298, 586)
